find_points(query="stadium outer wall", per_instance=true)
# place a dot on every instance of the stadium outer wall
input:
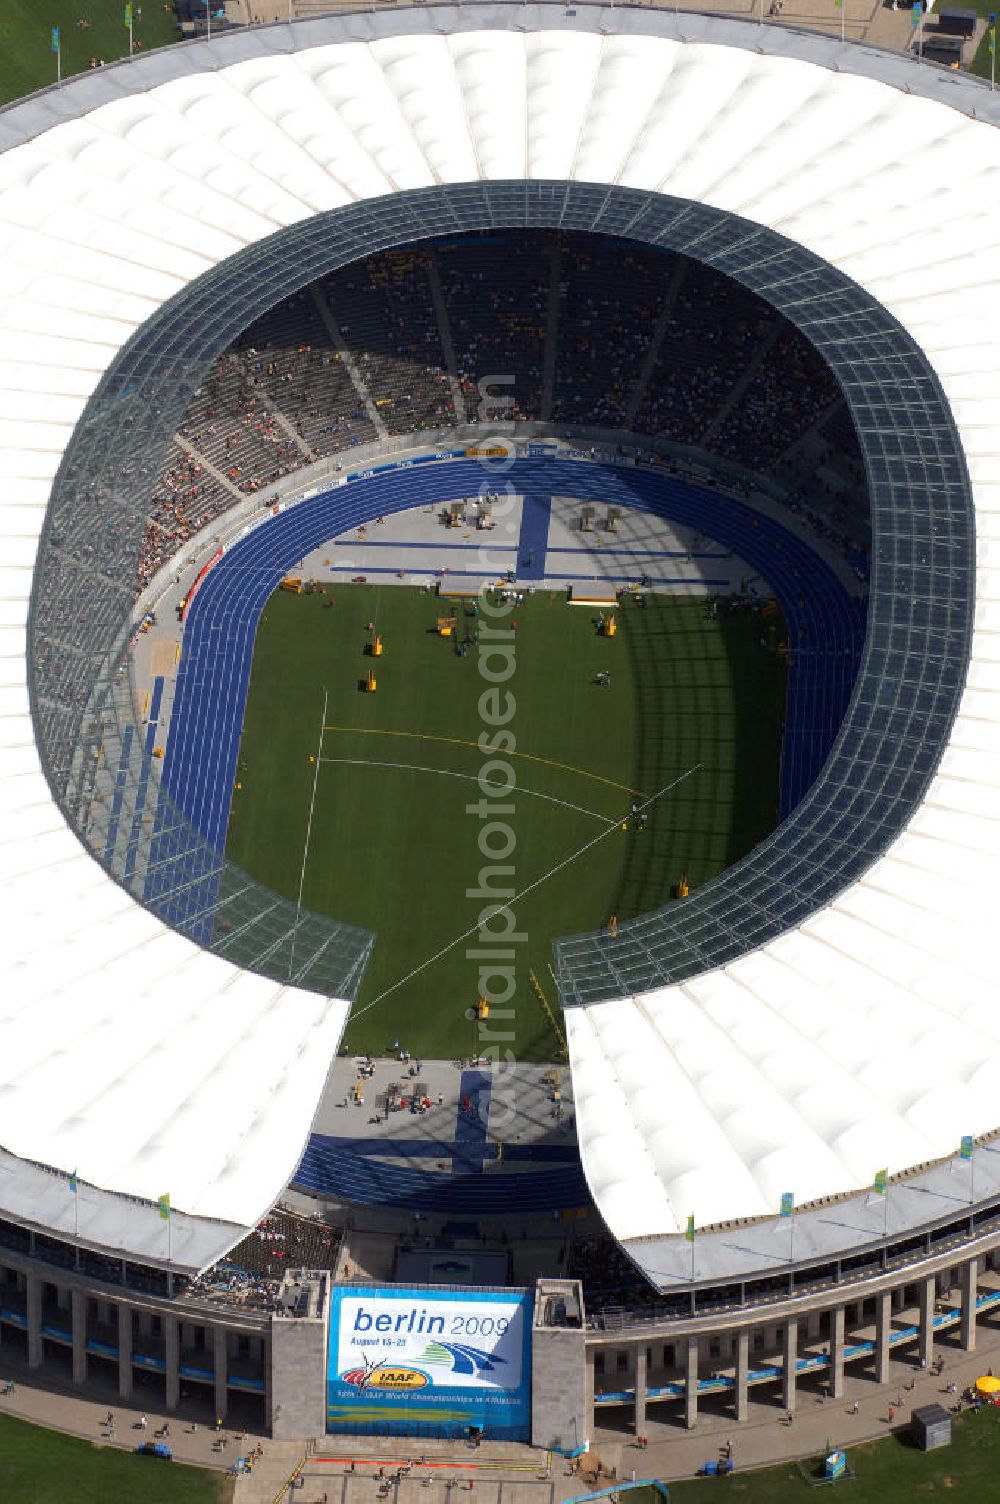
(268, 1371)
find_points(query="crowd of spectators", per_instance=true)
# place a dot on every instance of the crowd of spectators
(496, 292)
(790, 389)
(605, 327)
(713, 334)
(608, 1277)
(231, 426)
(384, 311)
(303, 381)
(187, 497)
(289, 358)
(251, 1274)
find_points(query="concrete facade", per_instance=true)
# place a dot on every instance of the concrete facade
(80, 1330)
(297, 1387)
(175, 1354)
(559, 1370)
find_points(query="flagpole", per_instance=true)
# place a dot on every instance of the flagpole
(991, 39)
(843, 19)
(919, 10)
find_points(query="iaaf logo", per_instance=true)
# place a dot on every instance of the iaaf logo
(383, 1376)
(379, 1373)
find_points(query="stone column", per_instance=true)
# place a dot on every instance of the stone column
(742, 1373)
(221, 1372)
(124, 1352)
(78, 1306)
(172, 1353)
(925, 1302)
(968, 1285)
(837, 1324)
(790, 1356)
(883, 1326)
(33, 1308)
(588, 1397)
(691, 1384)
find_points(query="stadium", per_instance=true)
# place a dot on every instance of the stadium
(518, 309)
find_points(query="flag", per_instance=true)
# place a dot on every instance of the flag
(991, 36)
(689, 1233)
(163, 1202)
(55, 39)
(787, 1203)
(967, 1146)
(128, 15)
(880, 1181)
(74, 1184)
(916, 14)
(839, 4)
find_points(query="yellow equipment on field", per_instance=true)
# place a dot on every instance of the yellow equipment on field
(376, 646)
(371, 683)
(292, 582)
(445, 626)
(609, 626)
(482, 1009)
(682, 887)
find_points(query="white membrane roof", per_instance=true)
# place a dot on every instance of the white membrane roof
(868, 1037)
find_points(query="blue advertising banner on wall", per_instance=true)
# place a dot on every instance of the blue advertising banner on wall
(426, 1362)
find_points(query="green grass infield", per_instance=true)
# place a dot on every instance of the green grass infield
(506, 765)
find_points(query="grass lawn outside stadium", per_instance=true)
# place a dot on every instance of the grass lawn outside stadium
(384, 830)
(893, 1471)
(38, 1466)
(27, 61)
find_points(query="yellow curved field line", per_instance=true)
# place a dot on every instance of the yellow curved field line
(457, 741)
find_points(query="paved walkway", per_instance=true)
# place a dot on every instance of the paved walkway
(863, 20)
(192, 1436)
(765, 1439)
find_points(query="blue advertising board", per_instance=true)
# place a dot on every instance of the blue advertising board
(427, 1362)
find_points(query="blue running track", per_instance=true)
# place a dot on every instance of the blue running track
(534, 538)
(826, 626)
(329, 1170)
(475, 1089)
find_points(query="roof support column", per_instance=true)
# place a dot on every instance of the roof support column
(124, 1352)
(883, 1326)
(741, 1391)
(837, 1326)
(691, 1385)
(172, 1354)
(221, 1373)
(788, 1372)
(33, 1311)
(969, 1288)
(925, 1301)
(78, 1303)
